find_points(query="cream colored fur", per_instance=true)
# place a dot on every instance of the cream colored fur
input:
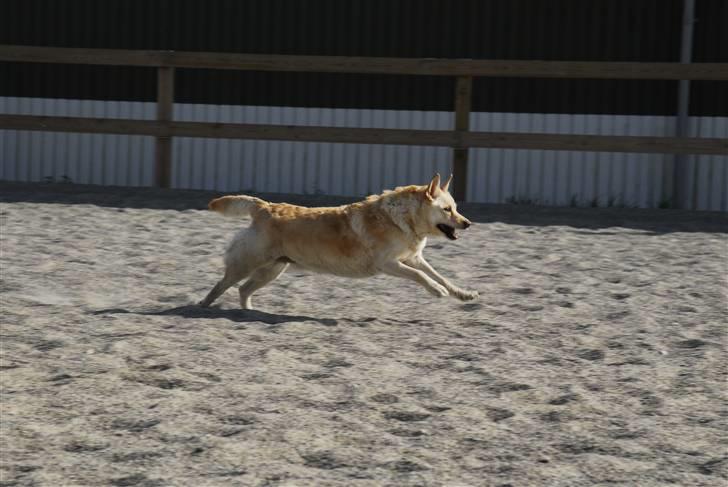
(384, 234)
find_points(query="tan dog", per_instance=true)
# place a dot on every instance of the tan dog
(385, 233)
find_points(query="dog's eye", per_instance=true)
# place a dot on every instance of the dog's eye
(448, 209)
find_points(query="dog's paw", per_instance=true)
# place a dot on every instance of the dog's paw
(464, 295)
(439, 291)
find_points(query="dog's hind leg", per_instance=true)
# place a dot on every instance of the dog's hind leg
(234, 273)
(261, 277)
(221, 286)
(245, 254)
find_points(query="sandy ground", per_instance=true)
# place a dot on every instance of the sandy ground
(594, 356)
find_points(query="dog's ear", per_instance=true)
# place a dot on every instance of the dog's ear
(434, 187)
(447, 183)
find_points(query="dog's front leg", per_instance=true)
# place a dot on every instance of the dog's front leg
(419, 262)
(399, 269)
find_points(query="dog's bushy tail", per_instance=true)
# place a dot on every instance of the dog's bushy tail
(237, 205)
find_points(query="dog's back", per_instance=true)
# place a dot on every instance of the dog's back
(344, 240)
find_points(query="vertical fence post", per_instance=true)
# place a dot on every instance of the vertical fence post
(463, 97)
(680, 175)
(165, 109)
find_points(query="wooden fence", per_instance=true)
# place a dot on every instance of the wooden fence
(460, 139)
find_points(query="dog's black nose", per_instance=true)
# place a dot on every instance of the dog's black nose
(466, 224)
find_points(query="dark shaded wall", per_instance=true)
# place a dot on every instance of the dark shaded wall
(593, 30)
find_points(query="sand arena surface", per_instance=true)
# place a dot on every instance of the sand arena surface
(595, 354)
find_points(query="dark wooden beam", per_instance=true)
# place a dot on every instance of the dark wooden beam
(350, 135)
(372, 65)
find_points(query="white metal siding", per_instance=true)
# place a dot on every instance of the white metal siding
(567, 177)
(709, 174)
(495, 175)
(121, 160)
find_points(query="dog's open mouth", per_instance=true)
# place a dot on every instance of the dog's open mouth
(448, 231)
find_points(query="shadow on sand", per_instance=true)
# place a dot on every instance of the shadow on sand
(236, 315)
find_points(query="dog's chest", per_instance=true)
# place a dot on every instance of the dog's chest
(410, 249)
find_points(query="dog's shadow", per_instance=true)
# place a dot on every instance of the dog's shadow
(236, 315)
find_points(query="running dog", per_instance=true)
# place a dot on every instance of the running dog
(384, 234)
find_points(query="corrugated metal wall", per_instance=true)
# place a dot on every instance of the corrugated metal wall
(84, 158)
(593, 178)
(597, 30)
(496, 175)
(594, 30)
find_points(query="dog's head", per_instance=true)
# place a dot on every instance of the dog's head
(441, 210)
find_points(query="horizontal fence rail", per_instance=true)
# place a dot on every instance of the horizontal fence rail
(460, 138)
(368, 65)
(435, 138)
